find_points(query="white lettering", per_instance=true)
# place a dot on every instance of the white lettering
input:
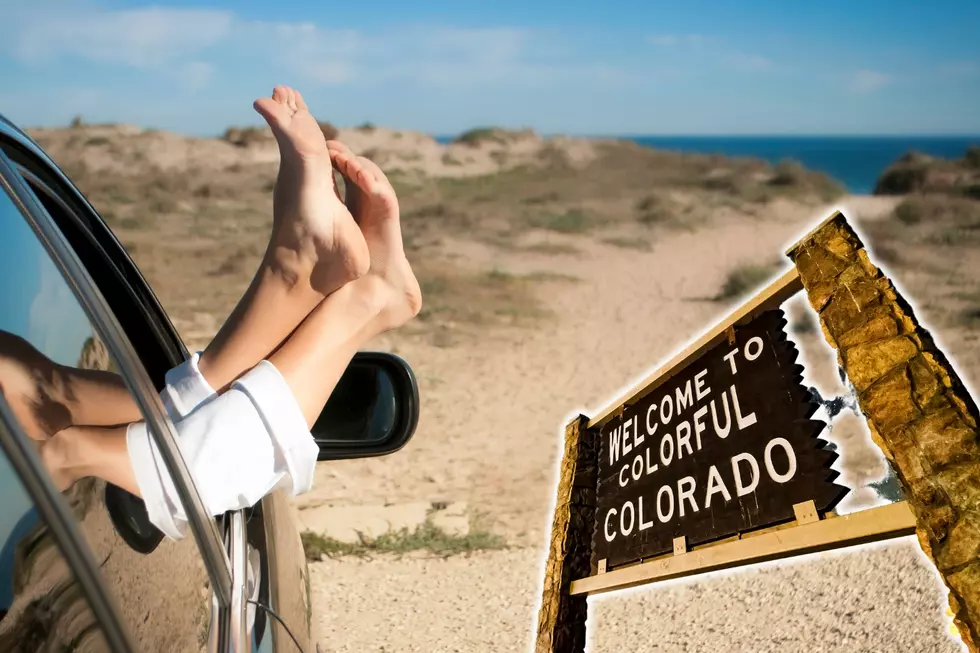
(685, 490)
(622, 476)
(651, 429)
(720, 431)
(749, 355)
(684, 399)
(730, 357)
(627, 445)
(622, 516)
(741, 489)
(666, 410)
(637, 436)
(644, 524)
(684, 440)
(651, 468)
(790, 455)
(665, 458)
(614, 436)
(609, 536)
(743, 421)
(699, 426)
(664, 518)
(715, 485)
(699, 385)
(637, 470)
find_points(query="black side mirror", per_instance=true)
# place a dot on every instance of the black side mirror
(373, 411)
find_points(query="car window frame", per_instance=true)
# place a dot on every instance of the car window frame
(54, 511)
(87, 224)
(204, 529)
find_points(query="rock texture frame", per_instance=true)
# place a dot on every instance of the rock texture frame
(917, 408)
(561, 619)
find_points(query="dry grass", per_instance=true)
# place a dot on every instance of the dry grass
(173, 222)
(622, 242)
(426, 537)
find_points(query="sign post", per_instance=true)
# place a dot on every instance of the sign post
(714, 462)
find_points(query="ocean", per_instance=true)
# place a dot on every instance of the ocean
(855, 161)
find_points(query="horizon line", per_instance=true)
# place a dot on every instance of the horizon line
(571, 134)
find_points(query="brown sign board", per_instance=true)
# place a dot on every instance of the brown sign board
(726, 445)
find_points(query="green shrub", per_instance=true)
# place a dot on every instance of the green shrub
(788, 173)
(972, 156)
(479, 135)
(569, 222)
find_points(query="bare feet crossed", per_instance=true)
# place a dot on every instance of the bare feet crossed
(315, 247)
(373, 203)
(311, 225)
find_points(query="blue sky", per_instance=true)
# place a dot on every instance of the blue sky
(632, 67)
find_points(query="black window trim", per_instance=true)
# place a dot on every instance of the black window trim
(204, 529)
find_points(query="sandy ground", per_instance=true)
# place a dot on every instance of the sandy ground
(872, 599)
(490, 435)
(495, 400)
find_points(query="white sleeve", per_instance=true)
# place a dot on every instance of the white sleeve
(296, 451)
(238, 446)
(186, 389)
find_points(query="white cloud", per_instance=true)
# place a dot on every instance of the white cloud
(196, 74)
(868, 81)
(135, 37)
(183, 44)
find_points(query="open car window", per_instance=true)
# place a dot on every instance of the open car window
(58, 374)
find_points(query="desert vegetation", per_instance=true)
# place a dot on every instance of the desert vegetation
(192, 209)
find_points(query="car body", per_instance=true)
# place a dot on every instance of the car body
(83, 569)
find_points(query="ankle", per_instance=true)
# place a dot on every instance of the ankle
(284, 267)
(63, 454)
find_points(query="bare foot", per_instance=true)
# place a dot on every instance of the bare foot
(372, 201)
(314, 235)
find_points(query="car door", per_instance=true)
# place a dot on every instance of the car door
(52, 319)
(272, 608)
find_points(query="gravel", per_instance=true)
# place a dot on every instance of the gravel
(882, 598)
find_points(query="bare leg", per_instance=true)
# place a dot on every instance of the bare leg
(47, 397)
(80, 451)
(314, 357)
(316, 247)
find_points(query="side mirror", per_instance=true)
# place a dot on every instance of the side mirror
(373, 411)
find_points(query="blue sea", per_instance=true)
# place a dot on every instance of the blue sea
(855, 161)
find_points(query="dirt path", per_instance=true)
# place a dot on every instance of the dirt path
(879, 599)
(489, 435)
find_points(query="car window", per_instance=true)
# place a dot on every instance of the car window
(56, 372)
(42, 607)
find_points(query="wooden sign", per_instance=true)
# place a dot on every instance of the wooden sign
(725, 446)
(718, 442)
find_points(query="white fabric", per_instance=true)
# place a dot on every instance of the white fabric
(296, 451)
(186, 388)
(238, 446)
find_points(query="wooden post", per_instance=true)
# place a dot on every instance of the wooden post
(918, 410)
(561, 619)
